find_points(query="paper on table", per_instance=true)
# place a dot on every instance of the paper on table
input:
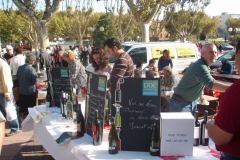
(62, 133)
(38, 112)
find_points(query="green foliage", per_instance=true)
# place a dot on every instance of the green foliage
(56, 27)
(233, 23)
(100, 37)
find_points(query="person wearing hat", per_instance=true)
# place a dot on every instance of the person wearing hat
(227, 68)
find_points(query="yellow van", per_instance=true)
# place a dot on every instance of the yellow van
(182, 54)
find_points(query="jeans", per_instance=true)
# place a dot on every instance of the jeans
(226, 156)
(14, 125)
(182, 106)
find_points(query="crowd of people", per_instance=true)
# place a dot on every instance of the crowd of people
(224, 129)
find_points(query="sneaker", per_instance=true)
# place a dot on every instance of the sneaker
(11, 134)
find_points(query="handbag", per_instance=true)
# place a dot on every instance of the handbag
(10, 111)
(16, 93)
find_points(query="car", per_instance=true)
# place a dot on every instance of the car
(227, 47)
(26, 47)
(230, 55)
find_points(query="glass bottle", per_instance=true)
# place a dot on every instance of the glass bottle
(113, 139)
(196, 130)
(69, 108)
(80, 121)
(204, 139)
(154, 142)
(97, 130)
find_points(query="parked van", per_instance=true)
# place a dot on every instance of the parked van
(182, 54)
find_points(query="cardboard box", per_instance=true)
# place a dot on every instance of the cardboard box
(176, 132)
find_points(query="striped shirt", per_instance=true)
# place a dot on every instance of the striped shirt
(123, 67)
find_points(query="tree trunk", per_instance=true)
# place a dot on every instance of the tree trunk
(80, 40)
(122, 38)
(43, 35)
(35, 43)
(145, 31)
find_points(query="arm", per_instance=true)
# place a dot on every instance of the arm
(221, 87)
(6, 80)
(159, 64)
(171, 63)
(34, 76)
(219, 136)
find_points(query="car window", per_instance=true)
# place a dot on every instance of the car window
(138, 54)
(229, 55)
(126, 48)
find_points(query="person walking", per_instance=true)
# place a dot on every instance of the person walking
(6, 95)
(124, 66)
(196, 77)
(224, 129)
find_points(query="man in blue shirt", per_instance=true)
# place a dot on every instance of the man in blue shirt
(226, 68)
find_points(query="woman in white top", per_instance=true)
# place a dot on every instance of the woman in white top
(17, 60)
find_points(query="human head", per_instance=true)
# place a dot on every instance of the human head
(112, 47)
(137, 73)
(237, 56)
(152, 62)
(61, 52)
(209, 53)
(48, 47)
(18, 50)
(150, 74)
(30, 59)
(139, 64)
(224, 60)
(69, 56)
(9, 50)
(167, 71)
(99, 58)
(166, 54)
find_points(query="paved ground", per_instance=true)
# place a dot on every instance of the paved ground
(23, 146)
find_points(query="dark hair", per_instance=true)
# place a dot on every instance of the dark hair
(139, 64)
(18, 50)
(167, 52)
(150, 74)
(151, 61)
(103, 58)
(137, 73)
(112, 42)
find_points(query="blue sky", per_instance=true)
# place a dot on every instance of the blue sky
(216, 7)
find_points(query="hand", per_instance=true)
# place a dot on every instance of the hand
(210, 124)
(7, 98)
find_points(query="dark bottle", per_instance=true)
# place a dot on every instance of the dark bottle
(76, 101)
(155, 142)
(62, 104)
(196, 130)
(97, 130)
(113, 139)
(204, 139)
(118, 93)
(80, 121)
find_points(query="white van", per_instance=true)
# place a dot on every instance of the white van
(182, 54)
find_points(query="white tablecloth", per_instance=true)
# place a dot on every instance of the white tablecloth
(83, 149)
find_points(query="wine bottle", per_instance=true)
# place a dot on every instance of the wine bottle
(62, 104)
(118, 93)
(113, 139)
(69, 108)
(80, 121)
(154, 143)
(106, 119)
(97, 130)
(196, 130)
(65, 104)
(204, 139)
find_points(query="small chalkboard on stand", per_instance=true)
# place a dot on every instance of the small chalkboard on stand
(135, 105)
(58, 81)
(95, 99)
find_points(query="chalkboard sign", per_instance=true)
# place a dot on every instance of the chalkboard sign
(95, 99)
(136, 103)
(59, 79)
